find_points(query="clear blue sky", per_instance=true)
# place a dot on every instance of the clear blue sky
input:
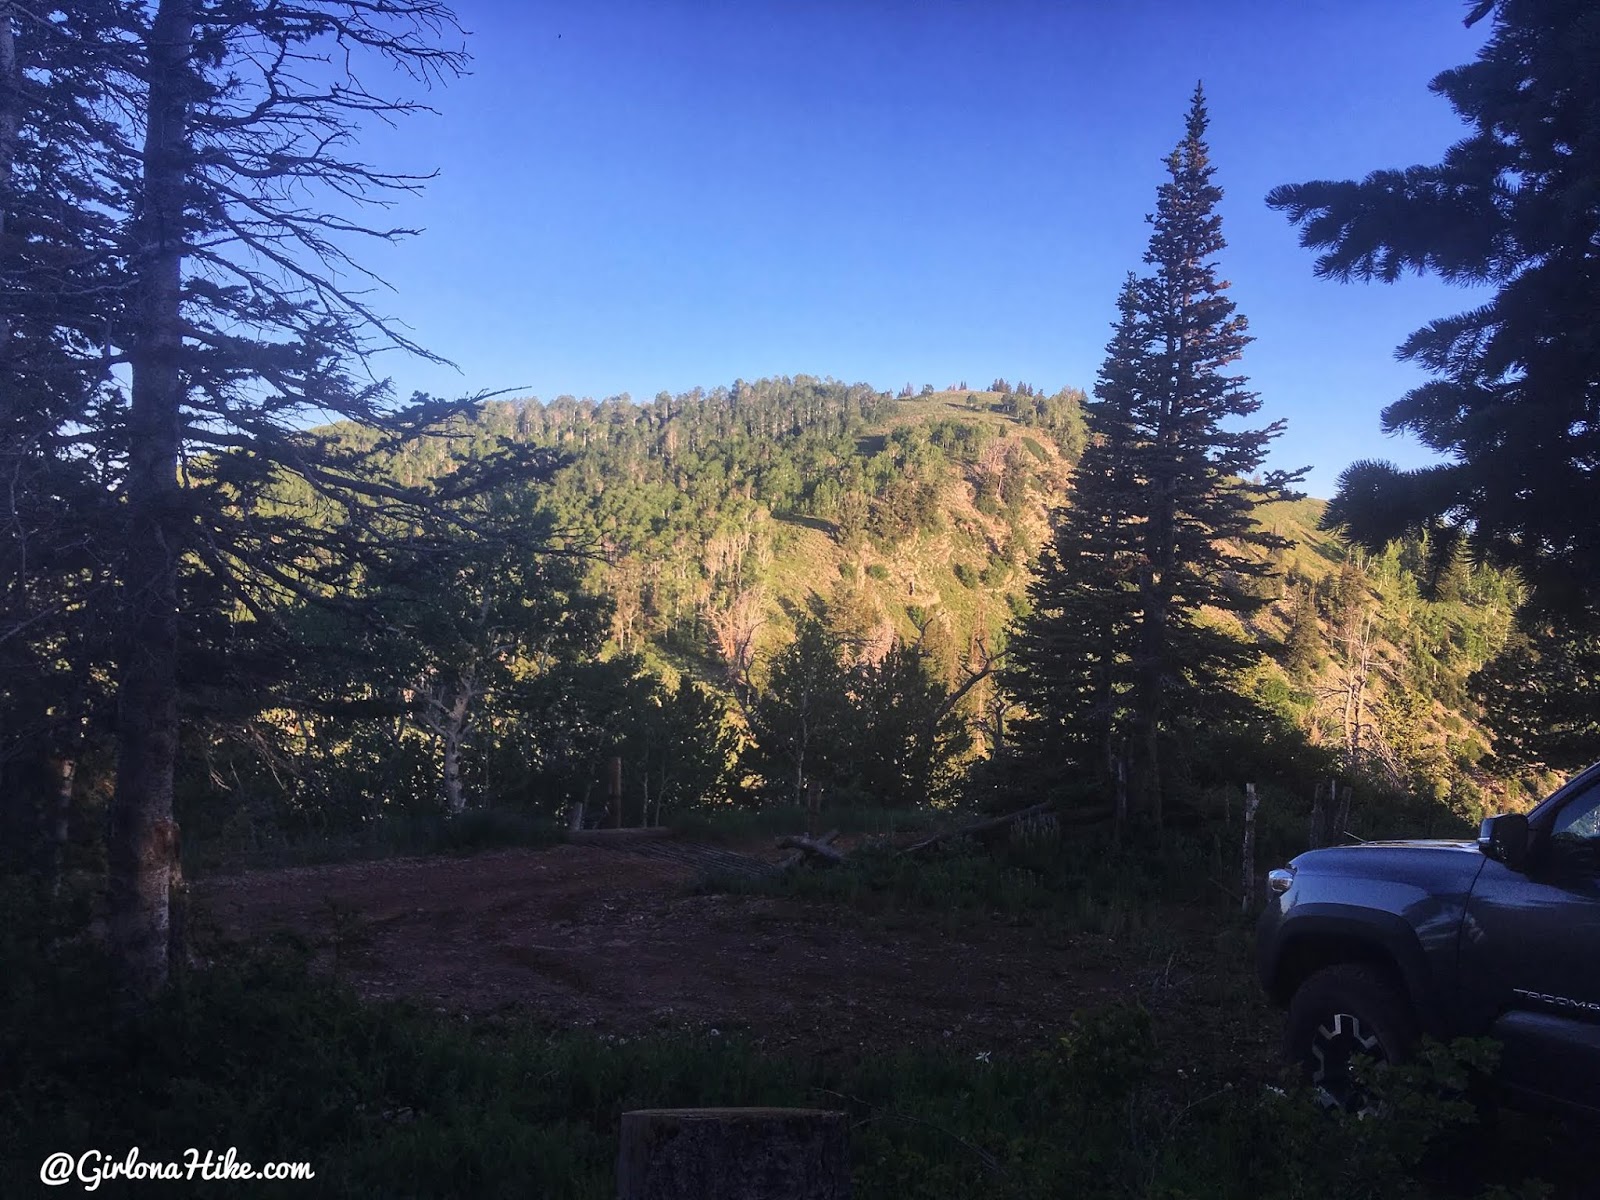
(643, 196)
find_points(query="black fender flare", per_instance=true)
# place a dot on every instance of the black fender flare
(1363, 934)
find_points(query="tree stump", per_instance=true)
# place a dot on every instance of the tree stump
(734, 1154)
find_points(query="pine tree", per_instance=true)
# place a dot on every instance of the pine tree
(1302, 647)
(202, 167)
(1513, 402)
(1161, 519)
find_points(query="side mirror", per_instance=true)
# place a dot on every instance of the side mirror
(1505, 839)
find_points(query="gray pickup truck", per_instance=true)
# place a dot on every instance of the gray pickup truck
(1371, 946)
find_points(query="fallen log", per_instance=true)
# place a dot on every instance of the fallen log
(812, 848)
(978, 829)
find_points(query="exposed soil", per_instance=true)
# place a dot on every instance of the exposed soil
(615, 940)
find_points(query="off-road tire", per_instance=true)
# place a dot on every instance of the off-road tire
(1342, 1011)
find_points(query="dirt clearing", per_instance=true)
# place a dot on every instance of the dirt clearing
(614, 940)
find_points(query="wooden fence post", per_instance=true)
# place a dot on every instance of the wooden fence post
(1342, 820)
(1319, 819)
(1247, 893)
(734, 1154)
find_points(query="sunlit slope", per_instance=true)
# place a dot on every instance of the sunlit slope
(716, 520)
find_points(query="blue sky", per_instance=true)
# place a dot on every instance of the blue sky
(644, 196)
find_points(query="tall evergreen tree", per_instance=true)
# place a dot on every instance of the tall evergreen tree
(1167, 490)
(196, 153)
(1514, 405)
(1302, 646)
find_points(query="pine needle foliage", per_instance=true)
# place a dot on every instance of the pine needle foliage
(1514, 402)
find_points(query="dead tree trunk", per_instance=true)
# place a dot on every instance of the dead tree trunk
(734, 1154)
(1247, 894)
(820, 848)
(64, 772)
(978, 829)
(142, 850)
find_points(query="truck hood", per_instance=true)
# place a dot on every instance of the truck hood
(1440, 866)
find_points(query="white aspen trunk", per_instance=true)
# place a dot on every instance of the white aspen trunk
(452, 734)
(455, 801)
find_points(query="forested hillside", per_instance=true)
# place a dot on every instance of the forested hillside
(712, 517)
(714, 570)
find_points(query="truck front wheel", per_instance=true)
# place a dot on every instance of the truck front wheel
(1339, 1014)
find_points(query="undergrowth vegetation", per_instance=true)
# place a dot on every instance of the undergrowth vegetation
(256, 1052)
(1045, 865)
